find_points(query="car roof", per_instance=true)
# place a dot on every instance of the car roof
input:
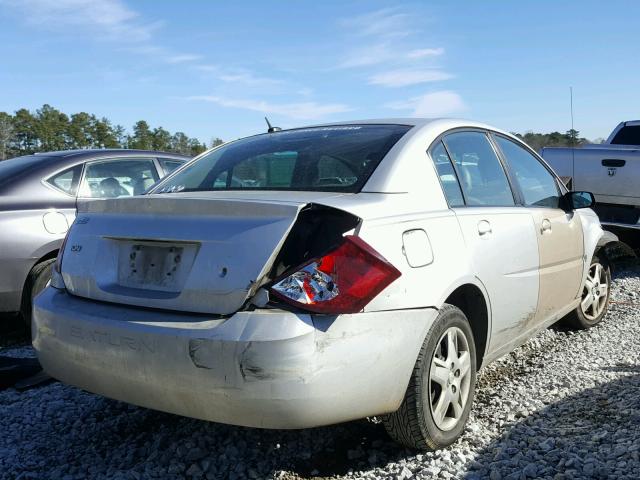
(99, 152)
(444, 123)
(43, 162)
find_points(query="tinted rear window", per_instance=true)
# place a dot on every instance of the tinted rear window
(629, 135)
(334, 158)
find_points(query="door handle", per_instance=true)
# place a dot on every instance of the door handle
(546, 226)
(613, 162)
(484, 227)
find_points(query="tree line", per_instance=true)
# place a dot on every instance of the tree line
(571, 138)
(48, 129)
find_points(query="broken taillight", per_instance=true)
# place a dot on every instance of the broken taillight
(342, 281)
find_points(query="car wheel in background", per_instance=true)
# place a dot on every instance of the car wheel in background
(438, 399)
(594, 299)
(38, 279)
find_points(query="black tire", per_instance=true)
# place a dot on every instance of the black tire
(38, 279)
(577, 319)
(413, 425)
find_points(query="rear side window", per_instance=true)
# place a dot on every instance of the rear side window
(627, 135)
(333, 158)
(483, 180)
(118, 178)
(447, 174)
(67, 180)
(169, 165)
(538, 185)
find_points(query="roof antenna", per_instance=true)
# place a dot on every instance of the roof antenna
(271, 129)
(573, 147)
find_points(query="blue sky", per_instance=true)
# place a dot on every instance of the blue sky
(216, 68)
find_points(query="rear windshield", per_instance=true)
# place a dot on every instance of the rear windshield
(628, 135)
(334, 158)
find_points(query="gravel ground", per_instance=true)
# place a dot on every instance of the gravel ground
(564, 405)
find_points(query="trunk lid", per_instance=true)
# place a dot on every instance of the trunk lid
(204, 254)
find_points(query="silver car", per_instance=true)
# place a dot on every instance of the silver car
(38, 198)
(316, 275)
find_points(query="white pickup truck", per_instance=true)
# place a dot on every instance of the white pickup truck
(611, 171)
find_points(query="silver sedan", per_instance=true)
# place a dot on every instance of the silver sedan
(316, 275)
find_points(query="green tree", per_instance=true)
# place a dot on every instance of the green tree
(51, 128)
(6, 134)
(48, 129)
(120, 134)
(180, 143)
(25, 136)
(215, 141)
(81, 130)
(161, 139)
(195, 147)
(573, 137)
(104, 135)
(142, 138)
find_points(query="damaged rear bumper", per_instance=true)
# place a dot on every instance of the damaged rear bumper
(266, 368)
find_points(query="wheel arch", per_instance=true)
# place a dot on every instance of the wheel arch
(47, 256)
(470, 296)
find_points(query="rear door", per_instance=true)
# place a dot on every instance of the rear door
(559, 233)
(500, 236)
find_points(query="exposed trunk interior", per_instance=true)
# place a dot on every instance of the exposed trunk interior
(317, 230)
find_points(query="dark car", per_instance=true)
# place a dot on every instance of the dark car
(38, 199)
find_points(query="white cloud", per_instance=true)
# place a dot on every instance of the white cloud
(207, 68)
(237, 76)
(248, 78)
(183, 58)
(384, 22)
(433, 104)
(406, 77)
(425, 52)
(384, 36)
(111, 19)
(367, 56)
(299, 111)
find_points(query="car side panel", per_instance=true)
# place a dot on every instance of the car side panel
(25, 239)
(505, 259)
(418, 286)
(561, 249)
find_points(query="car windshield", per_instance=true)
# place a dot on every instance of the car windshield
(332, 158)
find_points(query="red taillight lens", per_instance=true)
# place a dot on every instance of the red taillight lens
(342, 281)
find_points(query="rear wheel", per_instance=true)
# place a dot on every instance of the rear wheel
(594, 301)
(438, 399)
(38, 279)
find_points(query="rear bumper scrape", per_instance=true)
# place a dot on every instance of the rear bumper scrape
(266, 368)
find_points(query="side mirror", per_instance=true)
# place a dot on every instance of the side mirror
(575, 200)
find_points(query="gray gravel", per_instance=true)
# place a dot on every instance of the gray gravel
(564, 405)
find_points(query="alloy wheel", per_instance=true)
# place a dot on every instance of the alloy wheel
(449, 379)
(595, 292)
